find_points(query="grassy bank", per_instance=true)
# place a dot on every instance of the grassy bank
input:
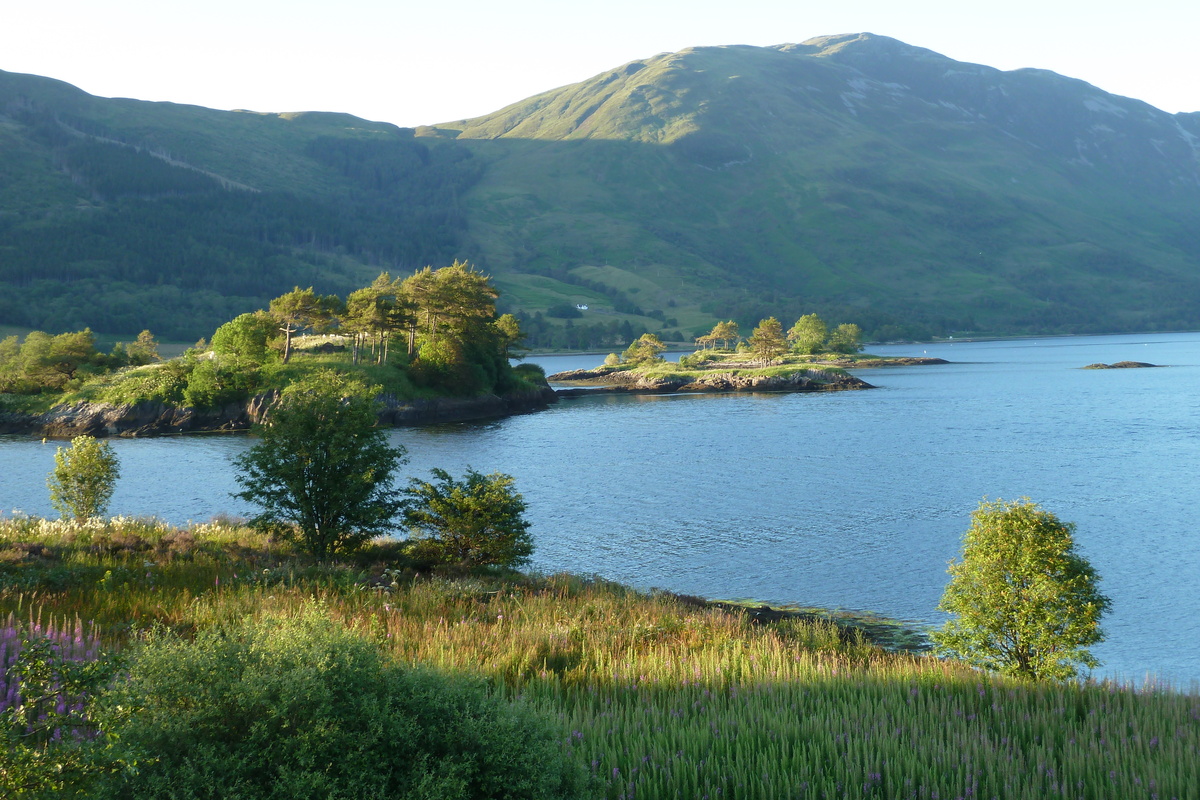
(657, 696)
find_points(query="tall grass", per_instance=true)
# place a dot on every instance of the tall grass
(660, 697)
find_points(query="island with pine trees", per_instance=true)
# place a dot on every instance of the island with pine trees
(809, 357)
(432, 342)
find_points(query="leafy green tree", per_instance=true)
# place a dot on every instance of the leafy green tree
(376, 313)
(44, 362)
(70, 351)
(645, 350)
(1024, 602)
(512, 338)
(458, 347)
(83, 478)
(456, 296)
(143, 350)
(304, 708)
(12, 371)
(246, 338)
(766, 342)
(808, 335)
(322, 469)
(846, 338)
(478, 520)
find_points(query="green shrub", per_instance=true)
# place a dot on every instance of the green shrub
(302, 708)
(533, 373)
(165, 382)
(213, 383)
(476, 521)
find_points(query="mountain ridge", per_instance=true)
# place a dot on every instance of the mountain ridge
(854, 174)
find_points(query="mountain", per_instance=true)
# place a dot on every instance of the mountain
(122, 214)
(856, 171)
(854, 175)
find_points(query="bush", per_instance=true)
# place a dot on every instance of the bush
(246, 338)
(531, 373)
(476, 521)
(301, 708)
(213, 383)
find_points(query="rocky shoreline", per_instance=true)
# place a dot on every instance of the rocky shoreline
(157, 419)
(151, 418)
(624, 382)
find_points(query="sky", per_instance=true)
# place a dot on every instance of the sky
(414, 63)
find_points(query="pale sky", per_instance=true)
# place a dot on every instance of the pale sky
(414, 63)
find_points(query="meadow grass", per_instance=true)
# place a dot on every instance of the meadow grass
(659, 696)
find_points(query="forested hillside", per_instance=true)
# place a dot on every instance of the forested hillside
(855, 176)
(122, 215)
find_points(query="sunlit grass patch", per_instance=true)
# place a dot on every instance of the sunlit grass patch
(657, 695)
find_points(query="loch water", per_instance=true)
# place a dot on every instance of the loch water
(853, 500)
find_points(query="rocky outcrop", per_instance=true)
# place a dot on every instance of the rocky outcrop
(459, 409)
(801, 380)
(600, 375)
(147, 418)
(1122, 365)
(156, 419)
(890, 361)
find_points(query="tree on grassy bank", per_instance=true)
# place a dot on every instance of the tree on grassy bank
(321, 469)
(84, 478)
(646, 350)
(1025, 603)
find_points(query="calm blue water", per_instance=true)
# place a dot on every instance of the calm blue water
(855, 499)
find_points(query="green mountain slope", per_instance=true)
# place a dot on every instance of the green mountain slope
(851, 171)
(852, 175)
(121, 214)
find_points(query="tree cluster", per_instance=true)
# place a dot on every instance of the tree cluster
(45, 363)
(453, 340)
(435, 329)
(322, 472)
(767, 342)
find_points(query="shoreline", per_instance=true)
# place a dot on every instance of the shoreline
(152, 418)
